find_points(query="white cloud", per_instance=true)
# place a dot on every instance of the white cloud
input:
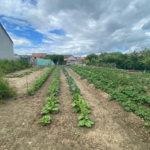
(19, 41)
(15, 21)
(90, 26)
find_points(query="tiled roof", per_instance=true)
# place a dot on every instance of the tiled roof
(67, 56)
(39, 54)
(80, 58)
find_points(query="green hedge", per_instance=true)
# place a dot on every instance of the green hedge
(8, 66)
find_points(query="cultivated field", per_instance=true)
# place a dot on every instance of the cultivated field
(113, 128)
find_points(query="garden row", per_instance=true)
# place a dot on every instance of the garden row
(14, 75)
(39, 82)
(51, 106)
(121, 86)
(79, 104)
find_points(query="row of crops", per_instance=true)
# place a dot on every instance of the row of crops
(22, 74)
(39, 82)
(51, 106)
(79, 104)
(130, 90)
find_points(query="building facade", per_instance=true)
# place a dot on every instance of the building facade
(74, 60)
(6, 45)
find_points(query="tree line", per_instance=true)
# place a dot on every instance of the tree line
(136, 60)
(57, 59)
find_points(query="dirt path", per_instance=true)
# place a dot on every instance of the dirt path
(28, 80)
(114, 128)
(19, 120)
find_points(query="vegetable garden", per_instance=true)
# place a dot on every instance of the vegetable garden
(69, 108)
(130, 90)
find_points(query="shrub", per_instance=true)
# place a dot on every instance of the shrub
(8, 66)
(5, 89)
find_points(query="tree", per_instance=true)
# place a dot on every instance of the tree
(87, 62)
(56, 58)
(93, 61)
(90, 56)
(134, 59)
(146, 63)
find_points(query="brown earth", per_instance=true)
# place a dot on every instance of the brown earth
(27, 81)
(114, 129)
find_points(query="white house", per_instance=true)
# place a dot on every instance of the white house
(6, 45)
(74, 60)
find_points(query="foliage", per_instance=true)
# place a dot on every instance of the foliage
(91, 56)
(8, 66)
(51, 106)
(74, 88)
(79, 103)
(39, 82)
(128, 89)
(45, 119)
(84, 119)
(56, 59)
(5, 89)
(134, 60)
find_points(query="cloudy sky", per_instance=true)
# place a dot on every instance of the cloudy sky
(77, 27)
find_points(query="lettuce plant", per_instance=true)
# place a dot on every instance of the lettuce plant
(45, 119)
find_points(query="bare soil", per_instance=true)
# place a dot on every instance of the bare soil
(114, 128)
(23, 83)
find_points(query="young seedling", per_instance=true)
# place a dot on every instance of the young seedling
(77, 134)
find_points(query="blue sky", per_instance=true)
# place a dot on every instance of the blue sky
(79, 27)
(27, 32)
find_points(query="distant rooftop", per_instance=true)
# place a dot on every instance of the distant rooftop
(39, 54)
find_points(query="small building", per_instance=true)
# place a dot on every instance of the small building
(73, 60)
(6, 45)
(66, 57)
(79, 60)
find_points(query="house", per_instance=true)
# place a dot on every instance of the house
(79, 60)
(67, 56)
(73, 60)
(6, 45)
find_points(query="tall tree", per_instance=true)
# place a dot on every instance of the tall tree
(90, 56)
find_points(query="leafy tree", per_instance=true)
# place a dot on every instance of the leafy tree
(134, 59)
(90, 56)
(56, 58)
(146, 63)
(93, 61)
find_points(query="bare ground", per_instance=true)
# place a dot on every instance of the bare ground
(27, 81)
(114, 128)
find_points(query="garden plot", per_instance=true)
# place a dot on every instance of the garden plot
(113, 128)
(27, 81)
(113, 124)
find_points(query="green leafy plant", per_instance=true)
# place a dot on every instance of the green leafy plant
(45, 120)
(39, 82)
(30, 91)
(79, 103)
(77, 134)
(51, 106)
(84, 119)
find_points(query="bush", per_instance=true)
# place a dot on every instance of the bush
(8, 66)
(5, 89)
